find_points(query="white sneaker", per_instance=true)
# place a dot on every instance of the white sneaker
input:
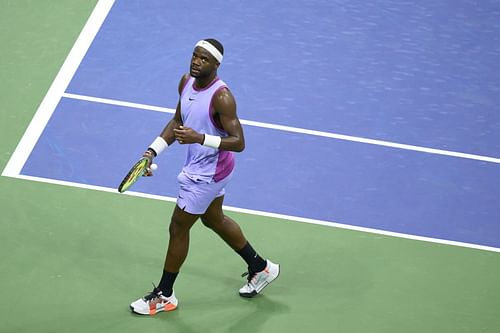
(154, 302)
(258, 281)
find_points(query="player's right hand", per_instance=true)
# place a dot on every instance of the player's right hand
(149, 155)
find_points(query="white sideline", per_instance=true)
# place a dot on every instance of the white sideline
(56, 90)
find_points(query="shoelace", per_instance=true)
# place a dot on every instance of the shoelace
(250, 275)
(154, 294)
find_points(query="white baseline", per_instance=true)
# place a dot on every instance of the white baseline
(272, 215)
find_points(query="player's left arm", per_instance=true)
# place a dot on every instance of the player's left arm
(225, 109)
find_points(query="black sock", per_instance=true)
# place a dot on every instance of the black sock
(167, 283)
(254, 261)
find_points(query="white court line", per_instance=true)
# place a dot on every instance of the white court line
(299, 130)
(272, 215)
(56, 90)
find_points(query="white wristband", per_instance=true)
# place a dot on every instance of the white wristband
(159, 145)
(212, 141)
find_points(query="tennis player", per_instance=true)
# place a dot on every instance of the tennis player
(205, 119)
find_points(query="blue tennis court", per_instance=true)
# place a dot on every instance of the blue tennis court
(350, 69)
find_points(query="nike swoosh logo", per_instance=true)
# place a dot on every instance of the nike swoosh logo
(191, 99)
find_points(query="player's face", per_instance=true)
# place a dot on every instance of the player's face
(202, 63)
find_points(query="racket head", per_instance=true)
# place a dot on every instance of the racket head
(135, 172)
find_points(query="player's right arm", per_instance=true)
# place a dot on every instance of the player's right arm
(168, 132)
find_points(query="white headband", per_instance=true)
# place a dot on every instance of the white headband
(210, 48)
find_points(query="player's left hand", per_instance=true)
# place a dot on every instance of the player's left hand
(186, 135)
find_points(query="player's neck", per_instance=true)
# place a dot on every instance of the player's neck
(202, 82)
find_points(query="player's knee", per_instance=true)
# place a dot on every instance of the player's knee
(207, 223)
(213, 224)
(177, 229)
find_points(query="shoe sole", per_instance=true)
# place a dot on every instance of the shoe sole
(255, 293)
(152, 314)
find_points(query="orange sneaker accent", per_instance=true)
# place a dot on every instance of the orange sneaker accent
(152, 311)
(170, 307)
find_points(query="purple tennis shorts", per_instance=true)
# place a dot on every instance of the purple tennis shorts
(195, 195)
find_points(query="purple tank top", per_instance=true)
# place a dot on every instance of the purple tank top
(204, 163)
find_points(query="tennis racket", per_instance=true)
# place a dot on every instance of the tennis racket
(138, 170)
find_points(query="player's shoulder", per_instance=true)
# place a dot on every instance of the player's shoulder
(185, 77)
(223, 99)
(223, 93)
(223, 90)
(182, 82)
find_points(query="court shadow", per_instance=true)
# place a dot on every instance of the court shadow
(226, 313)
(261, 309)
(257, 312)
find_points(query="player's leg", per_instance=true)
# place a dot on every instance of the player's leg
(178, 244)
(260, 272)
(162, 298)
(224, 226)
